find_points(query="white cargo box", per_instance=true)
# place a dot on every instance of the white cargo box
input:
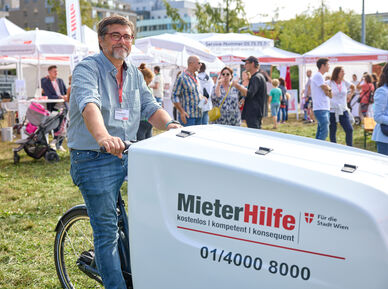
(240, 208)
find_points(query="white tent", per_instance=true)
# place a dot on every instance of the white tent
(269, 55)
(8, 28)
(353, 56)
(219, 42)
(342, 48)
(39, 43)
(175, 49)
(89, 37)
(236, 41)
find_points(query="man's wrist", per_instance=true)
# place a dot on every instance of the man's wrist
(170, 122)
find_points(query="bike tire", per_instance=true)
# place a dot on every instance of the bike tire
(74, 236)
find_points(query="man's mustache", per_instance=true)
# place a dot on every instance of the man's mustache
(121, 46)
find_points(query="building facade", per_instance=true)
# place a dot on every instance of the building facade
(31, 14)
(152, 16)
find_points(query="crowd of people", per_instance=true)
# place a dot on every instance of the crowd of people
(327, 99)
(333, 100)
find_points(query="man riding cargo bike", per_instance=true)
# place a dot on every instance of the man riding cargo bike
(108, 99)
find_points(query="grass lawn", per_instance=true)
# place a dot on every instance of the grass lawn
(34, 194)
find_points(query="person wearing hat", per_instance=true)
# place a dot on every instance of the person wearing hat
(255, 95)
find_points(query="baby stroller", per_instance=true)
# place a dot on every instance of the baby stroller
(353, 106)
(40, 123)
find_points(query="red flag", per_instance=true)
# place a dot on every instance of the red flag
(288, 78)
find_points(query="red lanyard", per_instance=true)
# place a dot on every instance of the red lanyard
(339, 86)
(189, 74)
(121, 87)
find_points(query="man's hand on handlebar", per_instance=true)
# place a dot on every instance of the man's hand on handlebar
(174, 125)
(113, 145)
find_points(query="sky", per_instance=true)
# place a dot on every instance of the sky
(289, 8)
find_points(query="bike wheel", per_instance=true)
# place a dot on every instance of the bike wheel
(74, 237)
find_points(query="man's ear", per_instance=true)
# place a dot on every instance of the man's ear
(100, 39)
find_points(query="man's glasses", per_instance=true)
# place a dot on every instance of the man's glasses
(116, 36)
(225, 74)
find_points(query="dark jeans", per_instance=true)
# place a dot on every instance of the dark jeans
(205, 117)
(283, 112)
(253, 122)
(144, 131)
(99, 177)
(344, 120)
(382, 148)
(191, 121)
(322, 117)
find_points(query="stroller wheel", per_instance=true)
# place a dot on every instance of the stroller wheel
(357, 120)
(16, 158)
(51, 156)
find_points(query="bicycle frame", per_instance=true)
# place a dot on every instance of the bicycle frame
(123, 244)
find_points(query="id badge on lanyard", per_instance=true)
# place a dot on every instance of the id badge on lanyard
(121, 113)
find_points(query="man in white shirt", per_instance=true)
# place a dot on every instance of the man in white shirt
(158, 85)
(205, 88)
(321, 94)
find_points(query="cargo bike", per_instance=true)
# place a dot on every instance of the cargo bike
(222, 207)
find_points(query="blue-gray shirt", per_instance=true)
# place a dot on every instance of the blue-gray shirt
(380, 110)
(94, 81)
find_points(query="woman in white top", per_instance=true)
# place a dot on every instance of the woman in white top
(338, 105)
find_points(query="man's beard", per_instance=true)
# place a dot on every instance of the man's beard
(120, 54)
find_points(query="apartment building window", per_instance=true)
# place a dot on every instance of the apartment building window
(49, 19)
(26, 1)
(25, 13)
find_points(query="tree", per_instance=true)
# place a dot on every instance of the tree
(301, 34)
(229, 17)
(178, 24)
(86, 14)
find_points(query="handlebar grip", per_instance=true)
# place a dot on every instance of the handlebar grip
(127, 144)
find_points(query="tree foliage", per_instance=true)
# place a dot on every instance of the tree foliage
(311, 28)
(58, 6)
(178, 24)
(226, 17)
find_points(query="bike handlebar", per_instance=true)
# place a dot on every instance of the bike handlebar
(127, 144)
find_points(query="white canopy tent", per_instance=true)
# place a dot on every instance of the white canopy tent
(174, 49)
(37, 44)
(343, 50)
(89, 37)
(8, 28)
(269, 55)
(219, 42)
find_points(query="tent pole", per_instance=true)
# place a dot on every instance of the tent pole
(39, 85)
